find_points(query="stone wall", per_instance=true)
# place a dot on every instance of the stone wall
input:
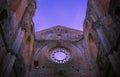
(102, 35)
(62, 37)
(16, 31)
(99, 49)
(59, 33)
(43, 66)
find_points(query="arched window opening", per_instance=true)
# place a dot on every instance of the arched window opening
(36, 64)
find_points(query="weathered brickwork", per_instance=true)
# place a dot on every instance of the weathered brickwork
(95, 52)
(101, 26)
(60, 37)
(14, 29)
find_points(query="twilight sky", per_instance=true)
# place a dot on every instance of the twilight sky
(69, 13)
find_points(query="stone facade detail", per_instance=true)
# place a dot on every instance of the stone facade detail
(59, 37)
(14, 36)
(94, 52)
(102, 35)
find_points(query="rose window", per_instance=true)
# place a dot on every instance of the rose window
(60, 55)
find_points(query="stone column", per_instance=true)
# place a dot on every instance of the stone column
(103, 39)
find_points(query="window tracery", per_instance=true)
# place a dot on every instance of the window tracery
(60, 55)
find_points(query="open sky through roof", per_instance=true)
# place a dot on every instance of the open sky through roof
(69, 13)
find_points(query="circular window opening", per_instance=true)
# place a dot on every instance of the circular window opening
(60, 55)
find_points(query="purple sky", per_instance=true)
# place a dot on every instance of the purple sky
(69, 13)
